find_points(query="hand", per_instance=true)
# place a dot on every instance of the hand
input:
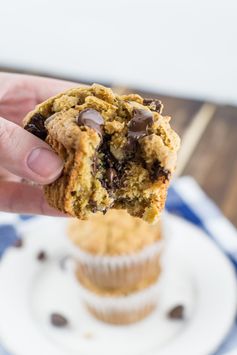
(24, 157)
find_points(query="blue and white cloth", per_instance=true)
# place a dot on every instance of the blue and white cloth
(185, 199)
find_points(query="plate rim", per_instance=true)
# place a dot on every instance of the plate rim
(174, 220)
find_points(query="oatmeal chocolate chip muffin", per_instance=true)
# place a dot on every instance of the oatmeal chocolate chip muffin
(115, 251)
(116, 233)
(118, 151)
(121, 306)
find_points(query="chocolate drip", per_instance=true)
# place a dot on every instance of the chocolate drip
(139, 124)
(91, 118)
(113, 168)
(36, 126)
(157, 171)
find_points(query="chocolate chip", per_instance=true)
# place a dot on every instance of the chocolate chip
(139, 124)
(105, 210)
(41, 256)
(131, 146)
(154, 104)
(36, 126)
(91, 118)
(113, 169)
(157, 171)
(93, 206)
(58, 320)
(18, 243)
(111, 176)
(177, 312)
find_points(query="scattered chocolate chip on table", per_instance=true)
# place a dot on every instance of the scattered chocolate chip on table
(58, 320)
(177, 312)
(42, 255)
(18, 243)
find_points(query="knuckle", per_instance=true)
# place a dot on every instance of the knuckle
(8, 135)
(3, 130)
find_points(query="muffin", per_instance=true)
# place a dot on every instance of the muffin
(116, 250)
(121, 306)
(119, 151)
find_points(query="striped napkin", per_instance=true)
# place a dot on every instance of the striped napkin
(185, 199)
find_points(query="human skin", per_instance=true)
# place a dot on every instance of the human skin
(26, 162)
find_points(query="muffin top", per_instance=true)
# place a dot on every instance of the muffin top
(116, 233)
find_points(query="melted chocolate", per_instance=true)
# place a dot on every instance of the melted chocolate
(93, 206)
(157, 171)
(154, 104)
(111, 176)
(113, 167)
(139, 124)
(91, 118)
(36, 126)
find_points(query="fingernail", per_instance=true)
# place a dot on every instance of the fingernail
(45, 163)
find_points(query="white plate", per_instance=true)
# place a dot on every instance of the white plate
(197, 274)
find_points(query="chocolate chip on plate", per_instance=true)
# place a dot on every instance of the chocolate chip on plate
(177, 312)
(91, 118)
(58, 320)
(18, 243)
(41, 256)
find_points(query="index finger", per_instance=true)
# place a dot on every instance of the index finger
(25, 199)
(20, 93)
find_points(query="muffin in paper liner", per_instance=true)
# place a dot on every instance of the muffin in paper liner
(118, 308)
(116, 250)
(118, 272)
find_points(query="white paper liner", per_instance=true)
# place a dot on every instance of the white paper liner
(118, 271)
(129, 303)
(117, 260)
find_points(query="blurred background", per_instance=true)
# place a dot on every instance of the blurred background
(181, 51)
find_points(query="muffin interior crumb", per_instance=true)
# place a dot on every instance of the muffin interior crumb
(119, 151)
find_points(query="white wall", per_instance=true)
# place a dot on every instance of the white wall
(182, 47)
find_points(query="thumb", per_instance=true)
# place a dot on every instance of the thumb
(25, 155)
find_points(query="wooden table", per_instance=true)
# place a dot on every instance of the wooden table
(209, 144)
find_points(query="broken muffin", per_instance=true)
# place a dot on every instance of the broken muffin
(118, 151)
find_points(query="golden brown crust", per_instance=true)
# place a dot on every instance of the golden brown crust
(83, 188)
(115, 233)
